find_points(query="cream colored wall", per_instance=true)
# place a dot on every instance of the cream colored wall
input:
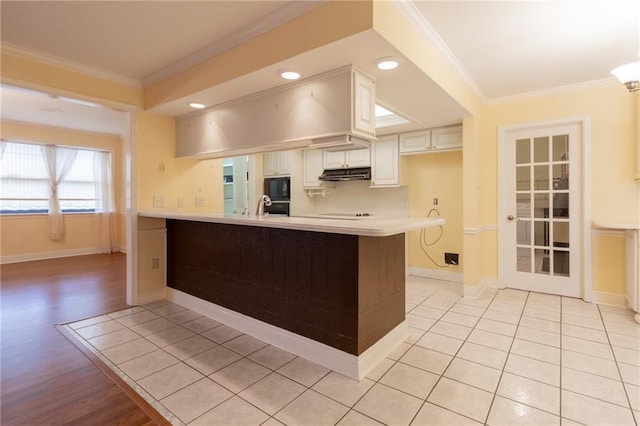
(27, 235)
(614, 194)
(155, 140)
(436, 175)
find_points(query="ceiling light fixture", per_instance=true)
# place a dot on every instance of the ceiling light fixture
(196, 105)
(629, 75)
(387, 64)
(289, 75)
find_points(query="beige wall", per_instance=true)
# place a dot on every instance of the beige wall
(436, 175)
(24, 236)
(614, 194)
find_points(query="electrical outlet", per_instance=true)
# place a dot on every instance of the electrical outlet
(451, 258)
(180, 202)
(199, 201)
(161, 168)
(155, 263)
(158, 201)
(435, 201)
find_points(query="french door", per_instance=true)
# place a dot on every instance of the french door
(540, 219)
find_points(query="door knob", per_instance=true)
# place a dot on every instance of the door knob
(512, 217)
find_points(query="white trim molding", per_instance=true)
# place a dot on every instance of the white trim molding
(426, 31)
(356, 367)
(436, 274)
(611, 299)
(608, 232)
(480, 229)
(33, 55)
(152, 296)
(43, 255)
(474, 292)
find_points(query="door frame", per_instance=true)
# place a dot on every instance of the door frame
(584, 122)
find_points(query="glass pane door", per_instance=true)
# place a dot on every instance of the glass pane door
(542, 205)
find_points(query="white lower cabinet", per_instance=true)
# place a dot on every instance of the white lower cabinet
(312, 168)
(385, 162)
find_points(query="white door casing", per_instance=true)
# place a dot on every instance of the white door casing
(543, 207)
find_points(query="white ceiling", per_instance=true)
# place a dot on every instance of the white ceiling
(505, 48)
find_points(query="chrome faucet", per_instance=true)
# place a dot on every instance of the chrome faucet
(262, 201)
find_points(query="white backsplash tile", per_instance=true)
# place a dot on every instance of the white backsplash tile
(357, 197)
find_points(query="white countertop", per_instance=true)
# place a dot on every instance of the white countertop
(371, 227)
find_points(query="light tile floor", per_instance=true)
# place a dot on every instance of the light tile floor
(510, 357)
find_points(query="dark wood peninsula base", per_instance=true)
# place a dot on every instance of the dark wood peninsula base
(346, 291)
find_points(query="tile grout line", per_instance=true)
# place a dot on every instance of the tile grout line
(624, 388)
(449, 364)
(495, 393)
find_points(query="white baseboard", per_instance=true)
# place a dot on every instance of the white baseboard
(356, 367)
(152, 296)
(611, 299)
(473, 292)
(436, 274)
(43, 255)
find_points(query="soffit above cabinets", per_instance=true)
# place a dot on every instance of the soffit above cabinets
(405, 90)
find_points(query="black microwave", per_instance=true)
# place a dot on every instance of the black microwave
(278, 188)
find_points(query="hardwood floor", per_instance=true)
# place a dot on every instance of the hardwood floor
(45, 379)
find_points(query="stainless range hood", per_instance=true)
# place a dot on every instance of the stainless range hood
(340, 143)
(339, 175)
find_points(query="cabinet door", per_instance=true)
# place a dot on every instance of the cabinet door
(358, 158)
(333, 160)
(284, 162)
(312, 168)
(446, 138)
(385, 161)
(415, 142)
(277, 163)
(364, 94)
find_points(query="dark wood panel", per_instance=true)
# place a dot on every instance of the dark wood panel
(381, 302)
(342, 290)
(304, 282)
(44, 378)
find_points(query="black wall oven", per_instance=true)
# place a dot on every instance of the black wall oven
(278, 189)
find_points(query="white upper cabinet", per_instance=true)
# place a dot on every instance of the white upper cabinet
(340, 102)
(346, 159)
(277, 163)
(385, 162)
(312, 168)
(415, 142)
(446, 138)
(433, 140)
(364, 97)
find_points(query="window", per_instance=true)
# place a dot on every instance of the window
(24, 182)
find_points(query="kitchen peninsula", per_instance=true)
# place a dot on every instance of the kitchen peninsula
(332, 291)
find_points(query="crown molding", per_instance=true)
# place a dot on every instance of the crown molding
(426, 31)
(254, 29)
(33, 55)
(605, 82)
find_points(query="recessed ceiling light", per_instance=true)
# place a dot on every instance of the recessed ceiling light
(289, 75)
(196, 105)
(386, 64)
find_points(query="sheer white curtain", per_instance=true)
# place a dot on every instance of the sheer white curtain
(3, 146)
(58, 161)
(105, 201)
